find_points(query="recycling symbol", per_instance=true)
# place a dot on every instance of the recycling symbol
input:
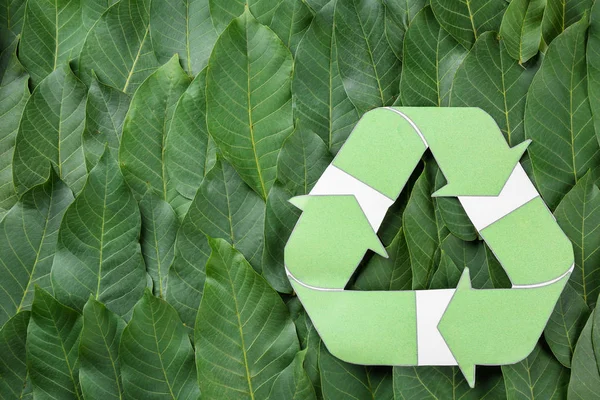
(461, 326)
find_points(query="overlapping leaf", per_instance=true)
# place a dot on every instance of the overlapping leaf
(290, 21)
(28, 235)
(49, 135)
(593, 65)
(224, 207)
(244, 335)
(249, 101)
(398, 16)
(431, 57)
(11, 21)
(13, 369)
(521, 28)
(224, 11)
(320, 99)
(367, 64)
(585, 378)
(98, 251)
(558, 117)
(293, 383)
(560, 14)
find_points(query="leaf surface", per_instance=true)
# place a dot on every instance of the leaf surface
(293, 383)
(13, 369)
(521, 28)
(585, 378)
(560, 14)
(398, 16)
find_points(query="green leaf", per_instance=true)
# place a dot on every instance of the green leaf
(490, 79)
(52, 35)
(398, 16)
(392, 273)
(319, 96)
(99, 365)
(12, 364)
(521, 28)
(472, 255)
(244, 333)
(28, 235)
(565, 325)
(118, 47)
(290, 21)
(560, 14)
(157, 359)
(369, 68)
(11, 21)
(539, 376)
(558, 118)
(50, 133)
(431, 57)
(293, 383)
(249, 101)
(105, 112)
(430, 383)
(466, 20)
(189, 151)
(98, 250)
(142, 151)
(224, 207)
(340, 380)
(10, 66)
(52, 348)
(447, 275)
(453, 214)
(183, 27)
(423, 228)
(14, 94)
(92, 10)
(585, 378)
(578, 214)
(223, 12)
(593, 65)
(159, 230)
(302, 160)
(317, 5)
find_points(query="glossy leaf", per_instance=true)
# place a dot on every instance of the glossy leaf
(157, 359)
(142, 151)
(52, 35)
(98, 252)
(50, 131)
(290, 21)
(466, 20)
(369, 68)
(183, 27)
(52, 348)
(398, 16)
(521, 28)
(189, 150)
(565, 325)
(320, 99)
(118, 48)
(559, 15)
(558, 118)
(99, 365)
(13, 369)
(28, 235)
(224, 207)
(105, 112)
(430, 62)
(293, 383)
(249, 107)
(244, 334)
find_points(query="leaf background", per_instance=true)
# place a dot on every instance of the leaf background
(151, 148)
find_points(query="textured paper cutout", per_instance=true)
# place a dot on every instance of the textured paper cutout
(462, 326)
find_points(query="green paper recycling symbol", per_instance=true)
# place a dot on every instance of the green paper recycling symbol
(461, 326)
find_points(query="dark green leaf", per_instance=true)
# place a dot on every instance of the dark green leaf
(466, 20)
(99, 365)
(189, 150)
(224, 207)
(320, 99)
(50, 133)
(293, 383)
(585, 378)
(558, 118)
(431, 57)
(157, 359)
(98, 250)
(290, 22)
(398, 16)
(521, 28)
(104, 115)
(593, 65)
(183, 27)
(28, 235)
(560, 14)
(13, 369)
(369, 68)
(118, 47)
(244, 333)
(249, 101)
(452, 212)
(470, 255)
(52, 348)
(224, 11)
(92, 10)
(447, 275)
(11, 21)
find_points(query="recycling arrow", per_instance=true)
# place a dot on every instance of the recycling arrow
(461, 326)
